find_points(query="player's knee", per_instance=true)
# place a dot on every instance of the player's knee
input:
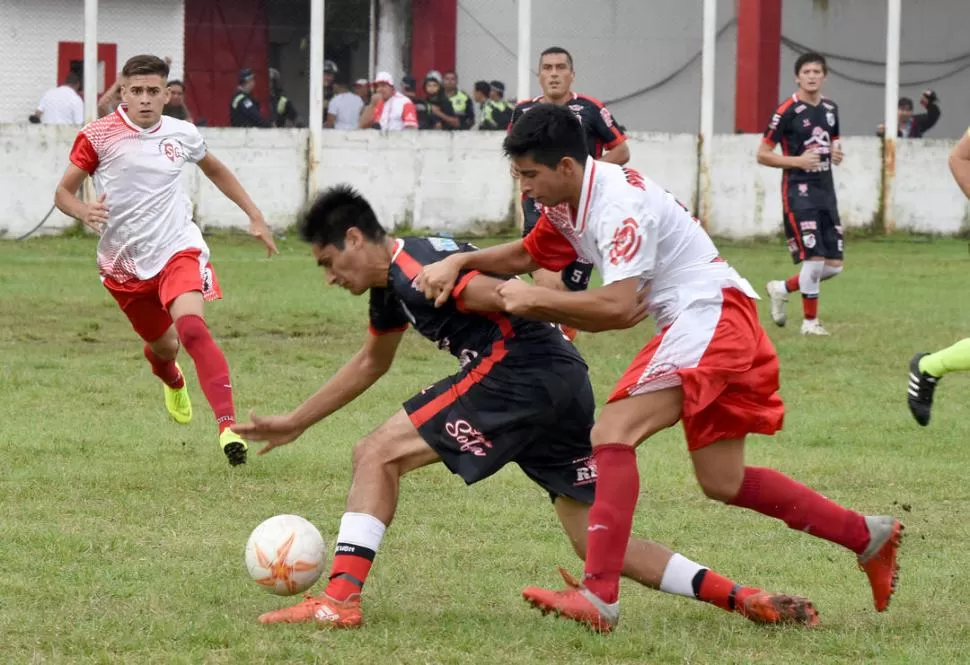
(723, 487)
(372, 452)
(166, 348)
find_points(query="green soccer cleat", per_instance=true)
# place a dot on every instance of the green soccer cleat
(233, 446)
(178, 403)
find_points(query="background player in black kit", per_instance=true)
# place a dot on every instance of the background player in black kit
(807, 127)
(604, 137)
(522, 395)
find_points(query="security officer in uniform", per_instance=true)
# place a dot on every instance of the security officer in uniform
(284, 112)
(243, 109)
(498, 111)
(460, 102)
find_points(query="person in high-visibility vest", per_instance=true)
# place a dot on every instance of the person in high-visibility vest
(498, 110)
(461, 103)
(284, 112)
(243, 109)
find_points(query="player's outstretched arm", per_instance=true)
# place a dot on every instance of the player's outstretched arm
(92, 215)
(960, 164)
(438, 279)
(228, 184)
(362, 371)
(616, 306)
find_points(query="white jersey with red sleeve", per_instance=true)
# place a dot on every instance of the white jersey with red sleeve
(139, 172)
(628, 226)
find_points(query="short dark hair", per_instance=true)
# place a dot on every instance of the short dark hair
(73, 79)
(905, 103)
(176, 82)
(547, 133)
(145, 65)
(553, 50)
(811, 56)
(450, 71)
(335, 211)
(483, 87)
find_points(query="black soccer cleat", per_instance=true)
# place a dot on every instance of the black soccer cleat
(919, 393)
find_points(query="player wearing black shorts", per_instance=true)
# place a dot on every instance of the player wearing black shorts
(522, 395)
(605, 138)
(807, 127)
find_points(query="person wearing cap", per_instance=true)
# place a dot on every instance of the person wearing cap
(389, 110)
(911, 126)
(498, 111)
(362, 90)
(435, 111)
(460, 102)
(284, 112)
(243, 109)
(343, 111)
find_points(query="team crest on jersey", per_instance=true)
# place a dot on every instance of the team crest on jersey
(830, 118)
(806, 122)
(626, 242)
(171, 148)
(606, 116)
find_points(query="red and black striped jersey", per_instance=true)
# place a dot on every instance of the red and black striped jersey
(798, 127)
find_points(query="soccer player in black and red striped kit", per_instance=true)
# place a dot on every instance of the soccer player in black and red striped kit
(605, 141)
(807, 127)
(522, 395)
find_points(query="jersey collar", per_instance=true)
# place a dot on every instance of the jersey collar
(586, 198)
(122, 113)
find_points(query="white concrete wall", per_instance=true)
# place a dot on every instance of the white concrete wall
(31, 29)
(460, 182)
(622, 46)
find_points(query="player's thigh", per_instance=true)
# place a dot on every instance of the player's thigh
(186, 282)
(802, 231)
(144, 311)
(830, 230)
(719, 468)
(396, 443)
(633, 419)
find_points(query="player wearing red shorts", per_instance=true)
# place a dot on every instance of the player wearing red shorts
(151, 256)
(710, 365)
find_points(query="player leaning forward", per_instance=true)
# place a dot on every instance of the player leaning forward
(522, 395)
(710, 365)
(151, 256)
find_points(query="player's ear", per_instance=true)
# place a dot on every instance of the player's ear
(353, 238)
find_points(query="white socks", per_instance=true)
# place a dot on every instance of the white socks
(678, 577)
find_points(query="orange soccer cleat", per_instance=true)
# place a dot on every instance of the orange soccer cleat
(879, 559)
(576, 602)
(776, 608)
(325, 611)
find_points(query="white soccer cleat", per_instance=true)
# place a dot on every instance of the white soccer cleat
(779, 301)
(814, 328)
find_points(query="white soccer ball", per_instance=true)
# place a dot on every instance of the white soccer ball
(285, 555)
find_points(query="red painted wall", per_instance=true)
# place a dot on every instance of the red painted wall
(759, 52)
(222, 37)
(434, 27)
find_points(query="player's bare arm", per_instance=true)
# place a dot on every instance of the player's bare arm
(93, 215)
(960, 164)
(228, 184)
(617, 306)
(619, 155)
(438, 279)
(807, 161)
(362, 371)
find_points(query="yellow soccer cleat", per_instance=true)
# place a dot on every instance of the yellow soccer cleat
(178, 403)
(233, 446)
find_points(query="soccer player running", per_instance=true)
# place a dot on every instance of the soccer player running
(710, 364)
(522, 395)
(151, 256)
(807, 127)
(604, 140)
(926, 369)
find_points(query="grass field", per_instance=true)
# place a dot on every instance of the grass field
(122, 533)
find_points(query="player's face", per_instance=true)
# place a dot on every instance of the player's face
(547, 186)
(350, 267)
(555, 75)
(175, 95)
(146, 96)
(810, 77)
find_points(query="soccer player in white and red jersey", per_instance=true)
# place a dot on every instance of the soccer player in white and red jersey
(710, 364)
(151, 256)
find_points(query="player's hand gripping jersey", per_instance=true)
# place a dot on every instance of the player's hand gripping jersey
(140, 173)
(628, 226)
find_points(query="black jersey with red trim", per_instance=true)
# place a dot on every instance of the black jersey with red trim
(602, 131)
(798, 126)
(464, 334)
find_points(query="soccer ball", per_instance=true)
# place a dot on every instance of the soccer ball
(285, 555)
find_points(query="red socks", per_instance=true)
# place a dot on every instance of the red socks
(611, 518)
(165, 370)
(801, 508)
(719, 590)
(349, 572)
(210, 365)
(809, 307)
(791, 284)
